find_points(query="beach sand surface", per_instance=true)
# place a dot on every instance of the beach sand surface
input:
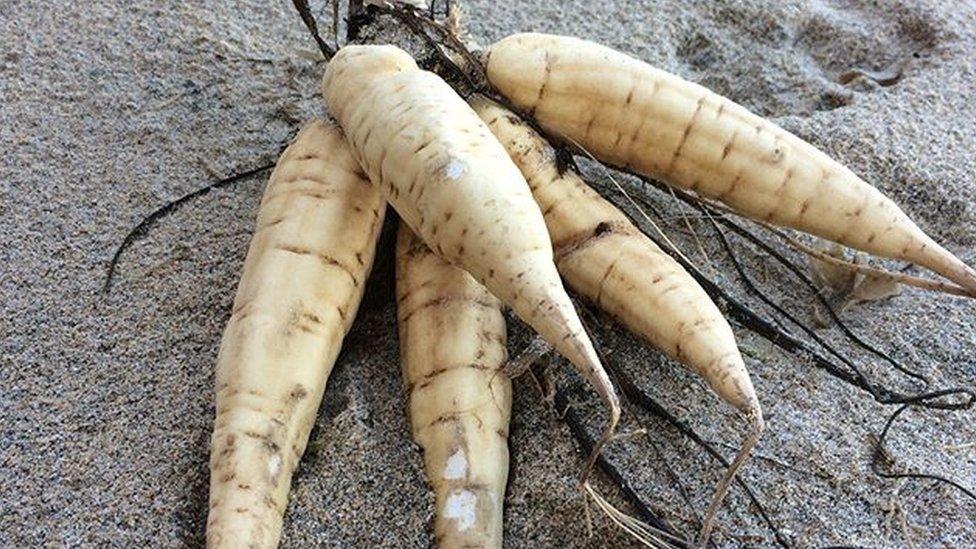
(109, 110)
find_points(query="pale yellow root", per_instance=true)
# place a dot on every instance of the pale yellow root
(298, 295)
(455, 186)
(603, 256)
(629, 114)
(452, 344)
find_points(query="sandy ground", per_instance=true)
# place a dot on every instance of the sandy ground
(109, 110)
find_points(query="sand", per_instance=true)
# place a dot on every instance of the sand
(109, 110)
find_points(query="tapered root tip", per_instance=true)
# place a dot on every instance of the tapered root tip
(961, 274)
(756, 427)
(968, 280)
(944, 262)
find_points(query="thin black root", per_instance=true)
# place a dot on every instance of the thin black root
(754, 289)
(306, 14)
(792, 267)
(881, 456)
(150, 220)
(715, 216)
(588, 445)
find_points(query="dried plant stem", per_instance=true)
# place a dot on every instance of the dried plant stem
(535, 350)
(900, 278)
(756, 426)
